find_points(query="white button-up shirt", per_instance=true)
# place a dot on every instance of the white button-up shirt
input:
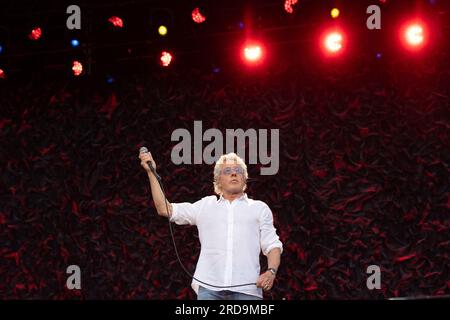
(231, 235)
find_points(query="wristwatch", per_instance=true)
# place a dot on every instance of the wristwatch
(273, 270)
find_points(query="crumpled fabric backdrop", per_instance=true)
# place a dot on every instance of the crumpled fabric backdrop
(363, 180)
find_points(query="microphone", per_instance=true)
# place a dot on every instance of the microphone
(145, 150)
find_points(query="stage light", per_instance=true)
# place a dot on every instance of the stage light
(288, 5)
(77, 68)
(253, 53)
(197, 17)
(116, 22)
(333, 42)
(2, 74)
(335, 13)
(35, 34)
(1, 49)
(162, 30)
(166, 58)
(74, 43)
(110, 79)
(414, 35)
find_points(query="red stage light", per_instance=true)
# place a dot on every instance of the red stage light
(166, 58)
(288, 5)
(253, 53)
(197, 16)
(2, 74)
(333, 42)
(116, 22)
(415, 35)
(35, 34)
(77, 68)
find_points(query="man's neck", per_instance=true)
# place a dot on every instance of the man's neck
(232, 196)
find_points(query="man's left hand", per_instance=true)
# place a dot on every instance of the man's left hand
(265, 281)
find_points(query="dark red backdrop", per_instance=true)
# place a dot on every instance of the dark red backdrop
(363, 180)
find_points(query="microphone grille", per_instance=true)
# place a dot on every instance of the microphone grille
(143, 150)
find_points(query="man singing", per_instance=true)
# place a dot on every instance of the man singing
(232, 230)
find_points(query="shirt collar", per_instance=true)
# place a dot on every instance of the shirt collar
(243, 197)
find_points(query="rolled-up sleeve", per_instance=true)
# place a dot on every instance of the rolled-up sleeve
(269, 237)
(186, 212)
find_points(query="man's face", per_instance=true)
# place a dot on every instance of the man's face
(231, 178)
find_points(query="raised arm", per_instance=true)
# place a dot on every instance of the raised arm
(157, 194)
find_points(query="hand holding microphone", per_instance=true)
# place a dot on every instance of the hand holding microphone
(147, 161)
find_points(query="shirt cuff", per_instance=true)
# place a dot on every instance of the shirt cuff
(272, 246)
(174, 212)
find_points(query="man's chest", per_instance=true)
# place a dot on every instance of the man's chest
(227, 216)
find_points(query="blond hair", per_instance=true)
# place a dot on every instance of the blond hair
(228, 158)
